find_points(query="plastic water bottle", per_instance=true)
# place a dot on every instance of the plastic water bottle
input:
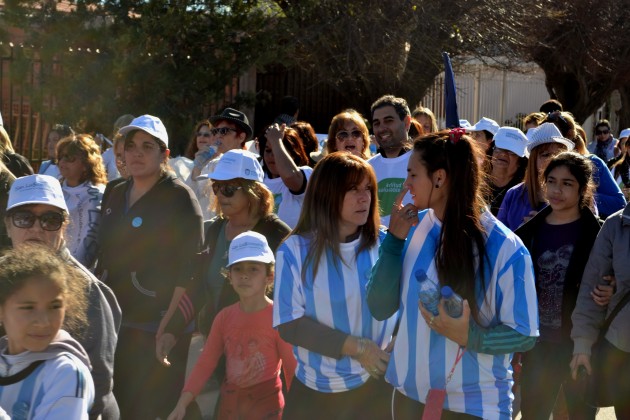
(428, 293)
(453, 303)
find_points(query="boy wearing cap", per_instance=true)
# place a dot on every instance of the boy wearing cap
(243, 332)
(37, 212)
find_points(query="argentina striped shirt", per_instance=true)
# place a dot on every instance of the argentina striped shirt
(335, 298)
(422, 359)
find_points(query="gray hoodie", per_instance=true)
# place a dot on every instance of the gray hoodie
(54, 383)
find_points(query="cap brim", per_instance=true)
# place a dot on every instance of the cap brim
(123, 131)
(261, 259)
(532, 145)
(26, 203)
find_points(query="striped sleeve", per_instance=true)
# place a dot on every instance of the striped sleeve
(500, 339)
(289, 301)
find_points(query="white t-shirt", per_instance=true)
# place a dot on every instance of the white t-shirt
(390, 175)
(286, 204)
(84, 206)
(109, 161)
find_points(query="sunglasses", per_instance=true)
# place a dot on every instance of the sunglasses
(344, 135)
(222, 131)
(227, 190)
(206, 135)
(600, 132)
(50, 221)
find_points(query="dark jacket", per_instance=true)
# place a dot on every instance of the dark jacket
(589, 228)
(146, 250)
(17, 164)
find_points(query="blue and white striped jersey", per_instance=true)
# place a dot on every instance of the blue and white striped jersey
(56, 388)
(422, 359)
(336, 298)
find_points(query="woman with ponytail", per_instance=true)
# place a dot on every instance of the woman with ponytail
(448, 238)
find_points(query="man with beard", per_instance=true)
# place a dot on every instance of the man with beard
(391, 119)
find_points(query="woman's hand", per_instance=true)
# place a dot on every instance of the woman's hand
(402, 217)
(275, 133)
(164, 343)
(455, 329)
(373, 359)
(180, 409)
(602, 293)
(580, 360)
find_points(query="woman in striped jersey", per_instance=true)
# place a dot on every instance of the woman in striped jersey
(458, 365)
(320, 297)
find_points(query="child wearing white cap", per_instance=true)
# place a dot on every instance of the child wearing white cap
(243, 332)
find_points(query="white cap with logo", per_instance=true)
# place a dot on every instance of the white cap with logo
(150, 125)
(36, 189)
(486, 124)
(237, 164)
(250, 246)
(512, 139)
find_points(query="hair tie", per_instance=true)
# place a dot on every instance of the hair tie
(456, 134)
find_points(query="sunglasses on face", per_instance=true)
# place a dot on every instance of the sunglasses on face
(50, 221)
(227, 190)
(344, 135)
(206, 135)
(222, 130)
(602, 132)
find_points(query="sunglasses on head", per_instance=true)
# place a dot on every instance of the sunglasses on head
(344, 135)
(222, 130)
(50, 221)
(226, 190)
(600, 132)
(206, 134)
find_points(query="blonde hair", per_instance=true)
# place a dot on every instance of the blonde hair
(337, 124)
(260, 198)
(5, 142)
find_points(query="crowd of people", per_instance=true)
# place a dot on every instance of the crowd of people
(305, 268)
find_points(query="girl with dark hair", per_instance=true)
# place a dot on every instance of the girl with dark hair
(559, 238)
(319, 297)
(286, 171)
(446, 238)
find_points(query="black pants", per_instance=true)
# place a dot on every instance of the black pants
(143, 387)
(618, 370)
(408, 408)
(545, 370)
(372, 400)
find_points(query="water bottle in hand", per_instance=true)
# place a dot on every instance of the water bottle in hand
(204, 155)
(453, 303)
(428, 293)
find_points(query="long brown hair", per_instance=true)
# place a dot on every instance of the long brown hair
(461, 253)
(532, 177)
(319, 219)
(83, 147)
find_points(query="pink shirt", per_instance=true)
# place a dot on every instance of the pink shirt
(253, 350)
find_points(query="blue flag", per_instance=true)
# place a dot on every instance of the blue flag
(450, 100)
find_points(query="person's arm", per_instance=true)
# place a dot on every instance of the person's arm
(383, 289)
(285, 350)
(608, 195)
(500, 339)
(291, 175)
(588, 316)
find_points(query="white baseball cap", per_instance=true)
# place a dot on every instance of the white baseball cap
(484, 124)
(512, 139)
(464, 123)
(624, 133)
(546, 133)
(150, 125)
(237, 163)
(36, 189)
(250, 246)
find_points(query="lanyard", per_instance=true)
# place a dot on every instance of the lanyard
(460, 354)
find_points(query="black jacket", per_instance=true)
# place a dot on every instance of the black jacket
(589, 228)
